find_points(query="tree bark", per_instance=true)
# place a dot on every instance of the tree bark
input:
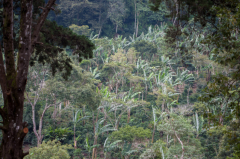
(75, 142)
(135, 23)
(94, 153)
(13, 82)
(153, 132)
(137, 26)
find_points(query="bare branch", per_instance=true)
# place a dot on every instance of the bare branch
(29, 100)
(40, 43)
(45, 8)
(41, 119)
(41, 7)
(41, 86)
(178, 140)
(33, 116)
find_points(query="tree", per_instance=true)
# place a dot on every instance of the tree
(51, 149)
(129, 134)
(38, 78)
(39, 40)
(200, 9)
(116, 12)
(180, 130)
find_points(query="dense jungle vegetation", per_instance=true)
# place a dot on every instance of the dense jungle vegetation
(162, 83)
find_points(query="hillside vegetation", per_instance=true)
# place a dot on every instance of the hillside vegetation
(161, 84)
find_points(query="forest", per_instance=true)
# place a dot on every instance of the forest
(119, 79)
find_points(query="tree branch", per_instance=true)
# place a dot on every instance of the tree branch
(45, 8)
(178, 140)
(25, 154)
(41, 119)
(41, 8)
(41, 20)
(41, 86)
(25, 46)
(33, 116)
(40, 43)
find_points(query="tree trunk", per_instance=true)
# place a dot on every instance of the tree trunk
(116, 28)
(188, 96)
(75, 142)
(14, 131)
(99, 31)
(83, 114)
(99, 20)
(94, 152)
(153, 132)
(135, 23)
(117, 87)
(137, 26)
(13, 79)
(163, 105)
(129, 115)
(146, 92)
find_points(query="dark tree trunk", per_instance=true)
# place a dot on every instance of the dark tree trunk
(15, 131)
(13, 81)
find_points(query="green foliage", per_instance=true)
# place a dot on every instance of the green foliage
(229, 145)
(58, 134)
(130, 133)
(49, 150)
(80, 30)
(54, 38)
(116, 12)
(158, 151)
(175, 126)
(166, 66)
(145, 48)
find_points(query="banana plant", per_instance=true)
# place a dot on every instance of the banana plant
(183, 77)
(156, 119)
(88, 147)
(99, 130)
(164, 77)
(126, 149)
(140, 64)
(164, 81)
(119, 106)
(129, 99)
(198, 123)
(110, 146)
(95, 73)
(147, 78)
(77, 117)
(162, 153)
(93, 37)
